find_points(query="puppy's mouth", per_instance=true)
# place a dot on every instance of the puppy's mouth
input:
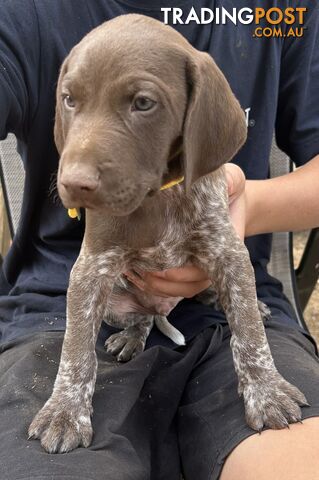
(76, 201)
(113, 192)
(120, 202)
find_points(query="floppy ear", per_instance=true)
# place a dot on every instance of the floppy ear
(215, 126)
(59, 125)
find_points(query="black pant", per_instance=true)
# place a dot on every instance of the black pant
(163, 413)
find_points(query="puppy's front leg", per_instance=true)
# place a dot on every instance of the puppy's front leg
(64, 422)
(269, 399)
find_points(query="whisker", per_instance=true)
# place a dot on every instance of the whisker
(53, 189)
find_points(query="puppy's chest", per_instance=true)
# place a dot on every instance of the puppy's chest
(162, 248)
(168, 251)
(188, 224)
(164, 233)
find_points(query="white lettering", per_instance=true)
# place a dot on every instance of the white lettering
(209, 19)
(166, 11)
(247, 113)
(249, 18)
(217, 16)
(192, 17)
(232, 17)
(177, 16)
(207, 15)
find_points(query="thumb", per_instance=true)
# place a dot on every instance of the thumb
(235, 181)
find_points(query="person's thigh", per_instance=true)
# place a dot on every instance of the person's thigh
(135, 406)
(211, 415)
(28, 369)
(289, 454)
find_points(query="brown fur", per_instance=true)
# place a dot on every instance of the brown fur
(114, 160)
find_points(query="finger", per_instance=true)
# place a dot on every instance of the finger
(235, 180)
(164, 288)
(176, 289)
(238, 216)
(188, 273)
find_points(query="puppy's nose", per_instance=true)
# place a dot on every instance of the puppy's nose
(82, 181)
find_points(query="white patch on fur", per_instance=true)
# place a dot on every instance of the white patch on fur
(169, 330)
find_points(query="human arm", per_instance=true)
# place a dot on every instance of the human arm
(286, 203)
(19, 66)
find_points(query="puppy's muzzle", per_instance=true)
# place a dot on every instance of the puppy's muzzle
(86, 186)
(78, 186)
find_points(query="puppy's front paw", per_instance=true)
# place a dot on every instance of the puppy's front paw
(272, 403)
(125, 344)
(61, 427)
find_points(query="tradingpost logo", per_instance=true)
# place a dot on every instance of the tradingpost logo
(271, 22)
(280, 23)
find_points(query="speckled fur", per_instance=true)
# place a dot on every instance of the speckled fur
(197, 127)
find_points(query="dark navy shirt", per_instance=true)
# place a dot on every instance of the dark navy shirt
(275, 80)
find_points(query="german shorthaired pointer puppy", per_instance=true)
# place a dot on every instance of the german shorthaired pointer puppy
(130, 119)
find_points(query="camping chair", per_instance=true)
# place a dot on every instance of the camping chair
(298, 284)
(12, 181)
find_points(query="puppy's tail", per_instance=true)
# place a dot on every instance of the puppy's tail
(168, 330)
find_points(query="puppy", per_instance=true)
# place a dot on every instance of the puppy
(130, 120)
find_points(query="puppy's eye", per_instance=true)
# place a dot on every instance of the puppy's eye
(68, 101)
(143, 104)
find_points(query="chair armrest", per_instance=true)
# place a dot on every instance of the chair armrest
(12, 177)
(307, 273)
(281, 265)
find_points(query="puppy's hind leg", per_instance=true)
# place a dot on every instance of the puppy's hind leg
(210, 297)
(129, 342)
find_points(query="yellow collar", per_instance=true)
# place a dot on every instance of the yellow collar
(74, 213)
(172, 183)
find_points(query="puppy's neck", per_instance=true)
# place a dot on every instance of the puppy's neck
(141, 229)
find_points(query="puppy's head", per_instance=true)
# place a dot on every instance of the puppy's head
(137, 107)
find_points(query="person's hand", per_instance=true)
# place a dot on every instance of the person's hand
(190, 280)
(236, 192)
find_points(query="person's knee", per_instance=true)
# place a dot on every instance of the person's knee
(291, 454)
